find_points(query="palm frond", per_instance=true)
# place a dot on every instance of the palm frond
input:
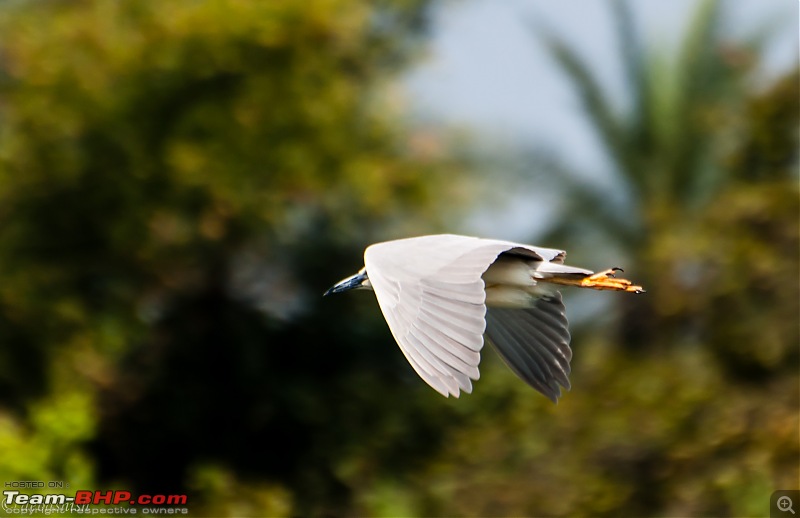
(603, 119)
(634, 62)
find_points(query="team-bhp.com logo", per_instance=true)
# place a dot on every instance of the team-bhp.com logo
(91, 502)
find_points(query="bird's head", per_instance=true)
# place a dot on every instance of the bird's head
(354, 282)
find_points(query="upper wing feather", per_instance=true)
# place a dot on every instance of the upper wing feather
(440, 336)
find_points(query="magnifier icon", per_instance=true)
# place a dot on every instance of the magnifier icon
(785, 504)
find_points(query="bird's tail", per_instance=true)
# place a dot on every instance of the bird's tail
(571, 276)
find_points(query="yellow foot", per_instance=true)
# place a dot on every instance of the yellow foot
(606, 280)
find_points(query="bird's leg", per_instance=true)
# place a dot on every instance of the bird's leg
(607, 280)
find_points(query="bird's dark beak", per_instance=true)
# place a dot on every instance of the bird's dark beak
(349, 283)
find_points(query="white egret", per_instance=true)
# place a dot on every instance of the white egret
(434, 292)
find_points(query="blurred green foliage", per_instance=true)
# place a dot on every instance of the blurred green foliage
(179, 182)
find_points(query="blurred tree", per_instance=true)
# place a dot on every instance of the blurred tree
(671, 173)
(179, 183)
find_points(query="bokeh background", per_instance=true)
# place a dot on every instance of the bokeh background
(180, 181)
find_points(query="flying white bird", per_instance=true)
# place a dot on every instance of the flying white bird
(434, 292)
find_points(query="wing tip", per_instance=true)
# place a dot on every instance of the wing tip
(553, 393)
(453, 391)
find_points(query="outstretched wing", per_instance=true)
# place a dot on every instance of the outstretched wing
(534, 343)
(432, 296)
